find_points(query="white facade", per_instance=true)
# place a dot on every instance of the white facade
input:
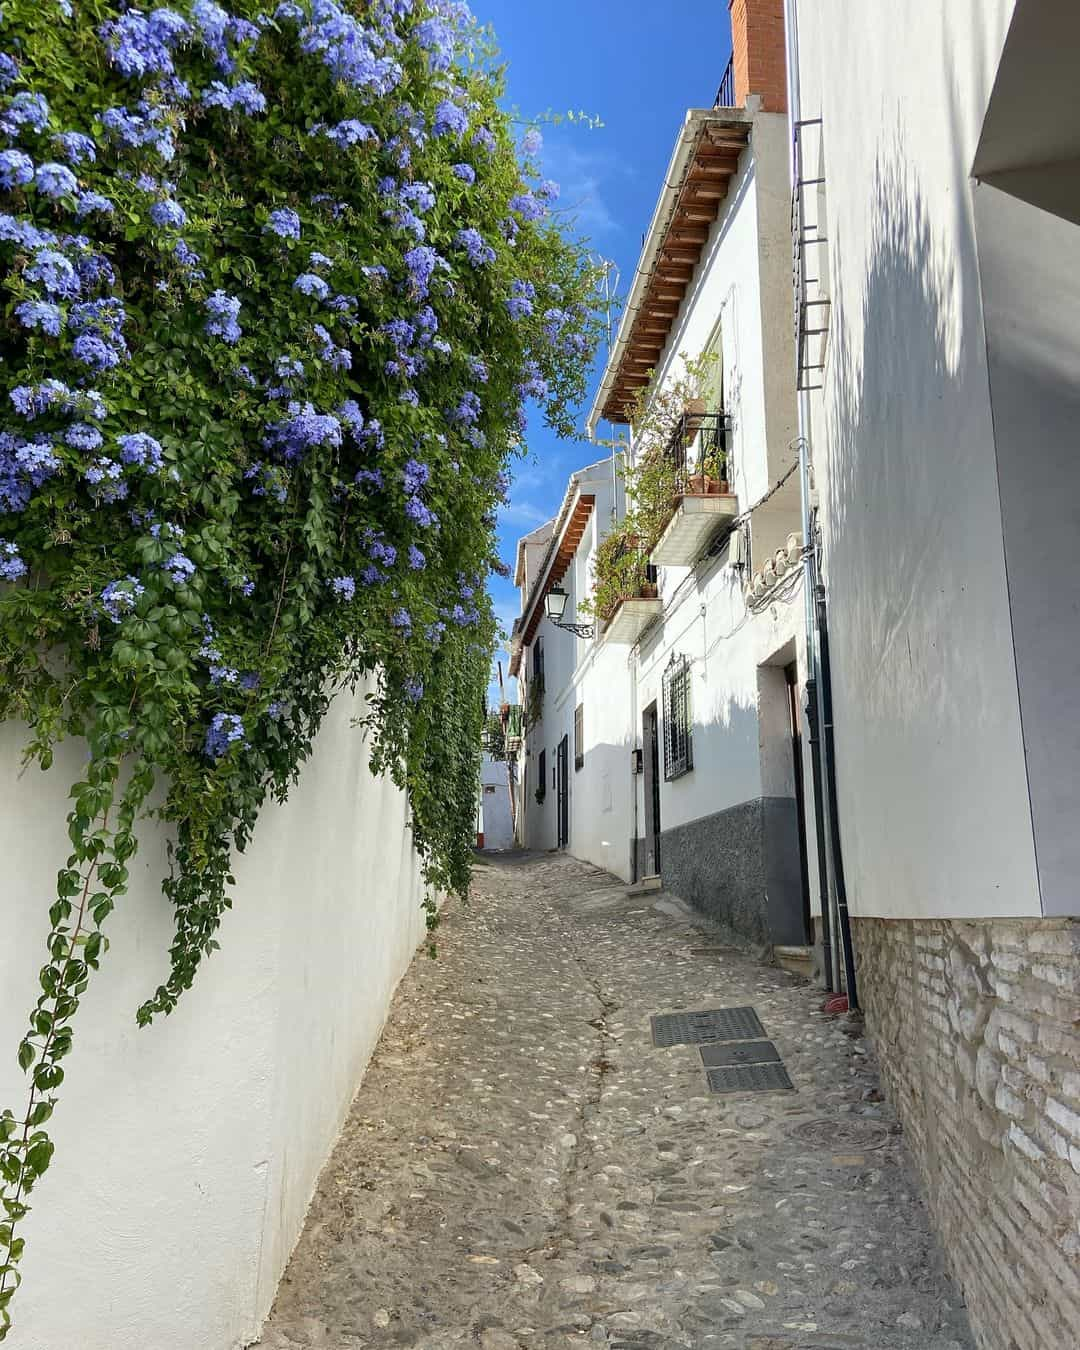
(187, 1153)
(728, 828)
(496, 816)
(947, 480)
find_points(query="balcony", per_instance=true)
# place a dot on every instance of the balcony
(631, 618)
(699, 454)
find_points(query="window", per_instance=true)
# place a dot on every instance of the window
(579, 736)
(489, 789)
(678, 744)
(538, 661)
(541, 791)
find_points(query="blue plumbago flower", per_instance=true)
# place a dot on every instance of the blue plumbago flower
(522, 295)
(138, 448)
(16, 169)
(141, 45)
(245, 96)
(224, 311)
(371, 576)
(212, 23)
(320, 260)
(415, 476)
(31, 400)
(269, 481)
(422, 262)
(107, 479)
(527, 206)
(41, 314)
(9, 70)
(247, 589)
(220, 674)
(375, 271)
(95, 352)
(401, 618)
(477, 369)
(82, 436)
(143, 128)
(450, 120)
(12, 566)
(434, 632)
(225, 731)
(465, 172)
(289, 368)
(420, 196)
(369, 478)
(24, 232)
(93, 204)
(417, 558)
(436, 37)
(532, 142)
(276, 710)
(180, 568)
(75, 147)
(459, 616)
(24, 465)
(343, 304)
(349, 413)
(289, 12)
(483, 138)
(307, 283)
(418, 512)
(534, 385)
(119, 598)
(468, 409)
(549, 190)
(55, 180)
(349, 49)
(479, 251)
(337, 358)
(344, 588)
(378, 549)
(284, 222)
(167, 212)
(414, 690)
(54, 272)
(348, 133)
(26, 110)
(304, 429)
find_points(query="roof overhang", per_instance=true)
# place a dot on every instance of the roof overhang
(705, 159)
(569, 528)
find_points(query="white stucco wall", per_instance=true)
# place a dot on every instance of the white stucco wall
(497, 818)
(930, 762)
(186, 1154)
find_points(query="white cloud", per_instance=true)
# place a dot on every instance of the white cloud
(582, 173)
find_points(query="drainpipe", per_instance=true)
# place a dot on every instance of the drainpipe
(819, 674)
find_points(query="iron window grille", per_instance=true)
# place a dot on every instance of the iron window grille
(579, 737)
(678, 723)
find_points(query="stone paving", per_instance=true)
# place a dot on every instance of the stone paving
(522, 1168)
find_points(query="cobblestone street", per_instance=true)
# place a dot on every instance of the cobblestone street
(523, 1168)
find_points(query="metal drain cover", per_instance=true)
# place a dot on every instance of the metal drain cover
(842, 1134)
(716, 1024)
(722, 1054)
(750, 1078)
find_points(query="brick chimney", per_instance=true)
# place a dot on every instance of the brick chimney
(757, 42)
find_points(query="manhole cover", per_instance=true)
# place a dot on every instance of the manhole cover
(720, 1054)
(750, 1078)
(716, 1024)
(842, 1134)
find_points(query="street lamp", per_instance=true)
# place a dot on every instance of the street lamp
(555, 605)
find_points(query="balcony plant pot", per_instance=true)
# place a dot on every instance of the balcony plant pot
(716, 486)
(648, 591)
(697, 483)
(694, 412)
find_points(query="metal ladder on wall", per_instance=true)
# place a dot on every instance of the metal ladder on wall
(812, 303)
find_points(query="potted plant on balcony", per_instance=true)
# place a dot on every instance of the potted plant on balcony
(619, 572)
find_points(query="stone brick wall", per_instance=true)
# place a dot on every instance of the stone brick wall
(758, 48)
(977, 1026)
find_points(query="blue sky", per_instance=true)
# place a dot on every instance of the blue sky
(638, 67)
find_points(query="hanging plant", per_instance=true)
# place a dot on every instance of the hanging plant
(276, 285)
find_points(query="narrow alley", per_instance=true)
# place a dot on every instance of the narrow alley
(523, 1167)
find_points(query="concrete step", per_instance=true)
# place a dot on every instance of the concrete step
(653, 883)
(799, 960)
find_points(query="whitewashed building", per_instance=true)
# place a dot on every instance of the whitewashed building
(938, 152)
(912, 170)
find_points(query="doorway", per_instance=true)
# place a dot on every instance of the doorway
(650, 737)
(791, 676)
(562, 786)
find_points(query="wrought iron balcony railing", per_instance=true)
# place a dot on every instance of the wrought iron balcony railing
(700, 451)
(725, 97)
